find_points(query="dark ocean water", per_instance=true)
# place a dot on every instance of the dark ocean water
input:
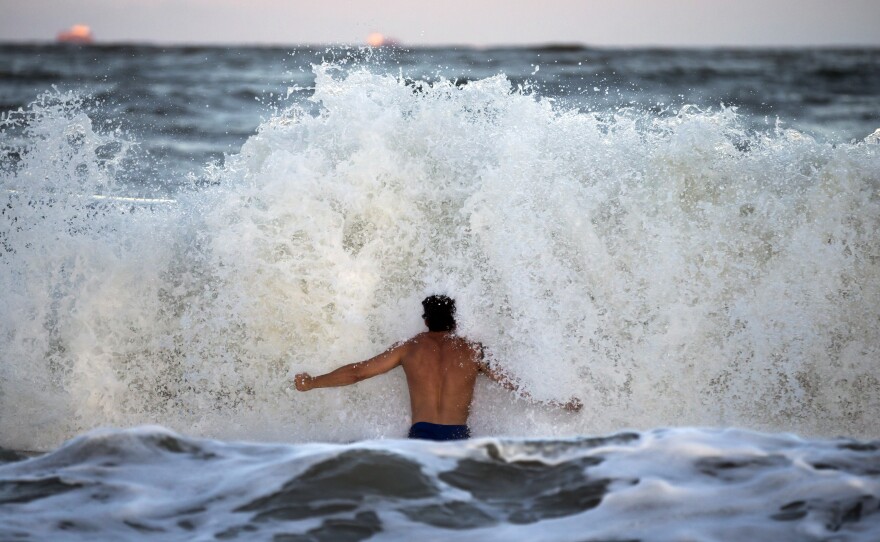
(664, 485)
(188, 106)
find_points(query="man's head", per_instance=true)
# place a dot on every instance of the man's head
(439, 313)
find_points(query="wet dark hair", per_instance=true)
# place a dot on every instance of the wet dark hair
(439, 313)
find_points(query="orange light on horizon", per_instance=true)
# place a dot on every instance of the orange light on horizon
(377, 39)
(78, 33)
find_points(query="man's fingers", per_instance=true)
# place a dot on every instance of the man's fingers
(301, 381)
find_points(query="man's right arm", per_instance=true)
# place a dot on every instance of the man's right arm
(353, 372)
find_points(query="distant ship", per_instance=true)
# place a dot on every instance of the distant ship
(78, 33)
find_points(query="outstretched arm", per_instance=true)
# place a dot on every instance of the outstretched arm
(573, 405)
(353, 372)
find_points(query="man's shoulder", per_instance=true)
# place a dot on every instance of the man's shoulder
(432, 338)
(416, 339)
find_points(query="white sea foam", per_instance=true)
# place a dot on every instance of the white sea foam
(667, 269)
(662, 485)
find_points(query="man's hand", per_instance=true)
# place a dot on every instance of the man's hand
(303, 381)
(574, 405)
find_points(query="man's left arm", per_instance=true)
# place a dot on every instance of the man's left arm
(353, 372)
(573, 405)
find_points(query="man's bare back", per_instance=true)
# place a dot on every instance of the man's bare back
(441, 370)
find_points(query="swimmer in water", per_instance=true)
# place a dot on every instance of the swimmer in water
(441, 370)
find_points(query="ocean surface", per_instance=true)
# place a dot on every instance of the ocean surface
(686, 240)
(663, 485)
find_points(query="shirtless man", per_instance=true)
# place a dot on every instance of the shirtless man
(441, 370)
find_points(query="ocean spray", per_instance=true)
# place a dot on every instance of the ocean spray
(668, 269)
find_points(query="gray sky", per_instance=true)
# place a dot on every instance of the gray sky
(470, 22)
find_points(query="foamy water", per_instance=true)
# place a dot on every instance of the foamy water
(669, 269)
(662, 485)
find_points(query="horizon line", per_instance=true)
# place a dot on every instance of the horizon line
(561, 45)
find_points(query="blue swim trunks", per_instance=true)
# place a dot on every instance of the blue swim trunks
(435, 431)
